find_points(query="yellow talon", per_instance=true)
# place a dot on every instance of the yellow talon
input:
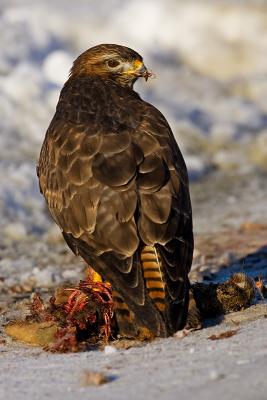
(96, 277)
(93, 275)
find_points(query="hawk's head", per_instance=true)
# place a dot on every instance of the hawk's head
(111, 62)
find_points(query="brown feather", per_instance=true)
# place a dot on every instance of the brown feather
(115, 182)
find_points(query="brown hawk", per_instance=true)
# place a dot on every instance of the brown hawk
(116, 184)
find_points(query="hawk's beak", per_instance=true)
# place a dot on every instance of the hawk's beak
(140, 70)
(137, 69)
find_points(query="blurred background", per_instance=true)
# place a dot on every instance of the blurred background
(210, 62)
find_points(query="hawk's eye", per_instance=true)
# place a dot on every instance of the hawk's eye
(113, 63)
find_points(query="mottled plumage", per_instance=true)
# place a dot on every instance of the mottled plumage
(116, 183)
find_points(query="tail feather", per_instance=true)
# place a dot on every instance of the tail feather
(152, 271)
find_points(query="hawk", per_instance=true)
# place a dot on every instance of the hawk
(116, 183)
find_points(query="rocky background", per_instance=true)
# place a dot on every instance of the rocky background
(210, 62)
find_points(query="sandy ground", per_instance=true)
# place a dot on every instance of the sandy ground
(195, 366)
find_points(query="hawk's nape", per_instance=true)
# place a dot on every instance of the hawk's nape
(116, 183)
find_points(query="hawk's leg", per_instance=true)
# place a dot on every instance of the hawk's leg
(92, 275)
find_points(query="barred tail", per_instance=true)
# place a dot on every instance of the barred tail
(152, 270)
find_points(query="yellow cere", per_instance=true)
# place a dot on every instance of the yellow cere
(138, 64)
